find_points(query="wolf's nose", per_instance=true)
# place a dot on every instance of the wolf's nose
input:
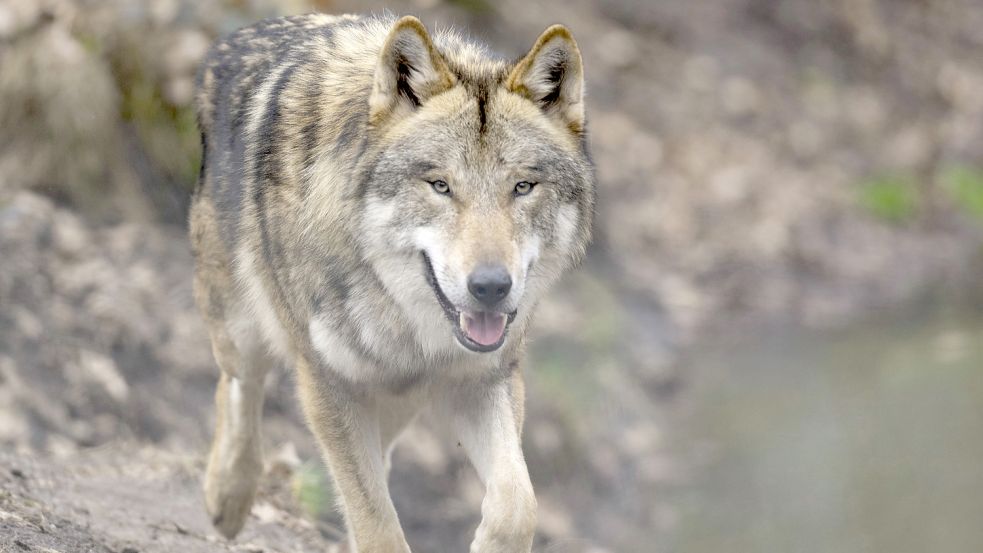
(489, 284)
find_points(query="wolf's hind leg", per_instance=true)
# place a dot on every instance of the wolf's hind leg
(235, 463)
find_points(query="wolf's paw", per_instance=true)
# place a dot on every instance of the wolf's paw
(229, 511)
(229, 498)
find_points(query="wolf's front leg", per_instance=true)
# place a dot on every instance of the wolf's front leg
(347, 427)
(488, 423)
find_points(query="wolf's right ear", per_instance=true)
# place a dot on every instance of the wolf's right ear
(410, 70)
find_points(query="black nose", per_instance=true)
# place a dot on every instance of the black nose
(489, 284)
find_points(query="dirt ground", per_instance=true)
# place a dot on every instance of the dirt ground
(129, 499)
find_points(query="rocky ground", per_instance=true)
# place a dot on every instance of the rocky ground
(795, 161)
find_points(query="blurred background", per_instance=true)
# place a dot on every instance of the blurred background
(775, 345)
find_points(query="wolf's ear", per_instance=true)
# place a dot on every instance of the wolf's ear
(410, 70)
(552, 76)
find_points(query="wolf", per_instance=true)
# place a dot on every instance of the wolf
(381, 208)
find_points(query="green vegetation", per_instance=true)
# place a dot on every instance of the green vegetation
(312, 489)
(567, 366)
(964, 184)
(892, 198)
(169, 133)
(895, 198)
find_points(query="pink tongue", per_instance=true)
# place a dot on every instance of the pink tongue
(483, 327)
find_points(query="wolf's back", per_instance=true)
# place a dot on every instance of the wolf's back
(274, 97)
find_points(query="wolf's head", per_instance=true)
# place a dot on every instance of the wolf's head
(481, 191)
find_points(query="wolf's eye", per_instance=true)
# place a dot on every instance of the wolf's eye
(440, 187)
(524, 188)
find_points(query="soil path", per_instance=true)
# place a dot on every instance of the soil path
(116, 500)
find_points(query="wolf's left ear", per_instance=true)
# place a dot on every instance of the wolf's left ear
(410, 70)
(552, 76)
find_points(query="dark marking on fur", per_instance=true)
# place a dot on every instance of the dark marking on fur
(348, 133)
(338, 280)
(364, 177)
(356, 120)
(482, 98)
(309, 136)
(405, 383)
(479, 86)
(310, 132)
(403, 72)
(556, 77)
(267, 175)
(267, 164)
(204, 162)
(229, 191)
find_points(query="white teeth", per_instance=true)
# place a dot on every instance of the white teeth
(463, 321)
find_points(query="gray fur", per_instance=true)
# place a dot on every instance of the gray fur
(314, 214)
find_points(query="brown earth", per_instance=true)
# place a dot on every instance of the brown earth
(126, 499)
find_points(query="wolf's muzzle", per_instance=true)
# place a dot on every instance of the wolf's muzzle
(478, 331)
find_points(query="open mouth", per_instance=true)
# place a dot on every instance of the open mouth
(480, 331)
